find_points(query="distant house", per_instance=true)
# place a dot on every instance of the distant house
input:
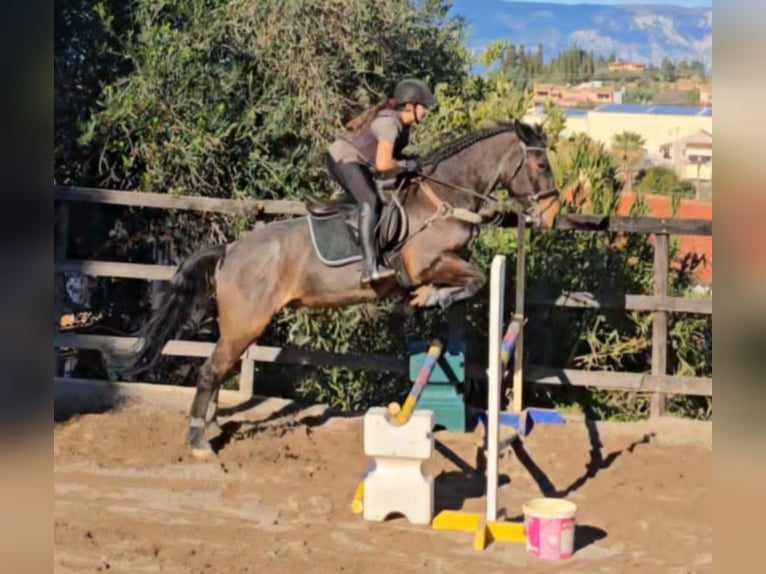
(567, 96)
(657, 125)
(691, 157)
(624, 66)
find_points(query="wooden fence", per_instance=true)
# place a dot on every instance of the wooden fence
(659, 383)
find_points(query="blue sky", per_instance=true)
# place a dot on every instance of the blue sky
(488, 20)
(705, 3)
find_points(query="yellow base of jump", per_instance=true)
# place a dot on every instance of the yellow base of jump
(484, 532)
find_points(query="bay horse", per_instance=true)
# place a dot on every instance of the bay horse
(276, 264)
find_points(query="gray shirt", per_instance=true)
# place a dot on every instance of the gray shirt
(384, 128)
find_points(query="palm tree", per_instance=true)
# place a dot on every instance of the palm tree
(629, 149)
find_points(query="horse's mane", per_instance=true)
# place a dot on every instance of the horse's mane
(461, 142)
(432, 158)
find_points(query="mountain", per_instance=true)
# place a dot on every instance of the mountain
(644, 33)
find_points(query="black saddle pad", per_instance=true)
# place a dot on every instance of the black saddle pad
(336, 240)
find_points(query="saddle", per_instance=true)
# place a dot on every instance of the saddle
(334, 228)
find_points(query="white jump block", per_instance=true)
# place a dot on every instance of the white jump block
(398, 485)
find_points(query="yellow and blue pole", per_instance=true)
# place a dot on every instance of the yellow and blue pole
(434, 352)
(509, 342)
(357, 504)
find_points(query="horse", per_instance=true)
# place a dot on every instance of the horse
(277, 264)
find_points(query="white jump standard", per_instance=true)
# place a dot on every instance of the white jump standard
(397, 484)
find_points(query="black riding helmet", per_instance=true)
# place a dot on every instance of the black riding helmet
(415, 91)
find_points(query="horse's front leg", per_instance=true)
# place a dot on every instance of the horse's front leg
(451, 279)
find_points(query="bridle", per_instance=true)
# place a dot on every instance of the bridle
(532, 199)
(444, 210)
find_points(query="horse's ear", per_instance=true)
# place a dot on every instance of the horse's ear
(525, 132)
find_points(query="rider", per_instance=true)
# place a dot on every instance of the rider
(372, 144)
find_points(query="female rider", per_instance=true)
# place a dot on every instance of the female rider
(372, 144)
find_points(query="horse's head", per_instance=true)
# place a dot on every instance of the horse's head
(513, 155)
(527, 174)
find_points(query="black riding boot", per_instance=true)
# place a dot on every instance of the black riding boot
(371, 271)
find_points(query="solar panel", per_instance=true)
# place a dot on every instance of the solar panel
(633, 109)
(655, 110)
(624, 108)
(676, 110)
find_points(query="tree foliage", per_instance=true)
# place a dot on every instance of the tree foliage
(86, 56)
(630, 151)
(231, 98)
(663, 180)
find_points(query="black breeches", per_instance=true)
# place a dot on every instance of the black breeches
(357, 180)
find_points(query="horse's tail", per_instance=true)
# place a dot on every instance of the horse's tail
(193, 281)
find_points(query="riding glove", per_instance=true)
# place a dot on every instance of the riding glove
(411, 165)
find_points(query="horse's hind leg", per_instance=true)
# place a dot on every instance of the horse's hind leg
(240, 325)
(225, 355)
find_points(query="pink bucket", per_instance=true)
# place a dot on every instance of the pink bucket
(549, 524)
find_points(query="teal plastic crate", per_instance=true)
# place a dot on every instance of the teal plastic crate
(441, 393)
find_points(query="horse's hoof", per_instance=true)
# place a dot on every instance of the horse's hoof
(202, 452)
(200, 446)
(422, 296)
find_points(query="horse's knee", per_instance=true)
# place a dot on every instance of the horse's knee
(215, 368)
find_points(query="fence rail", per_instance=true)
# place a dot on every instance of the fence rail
(646, 225)
(400, 365)
(166, 201)
(585, 300)
(659, 383)
(146, 271)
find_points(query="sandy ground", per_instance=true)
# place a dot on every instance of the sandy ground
(129, 497)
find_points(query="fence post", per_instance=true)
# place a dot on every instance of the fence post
(660, 322)
(247, 376)
(62, 229)
(59, 279)
(518, 315)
